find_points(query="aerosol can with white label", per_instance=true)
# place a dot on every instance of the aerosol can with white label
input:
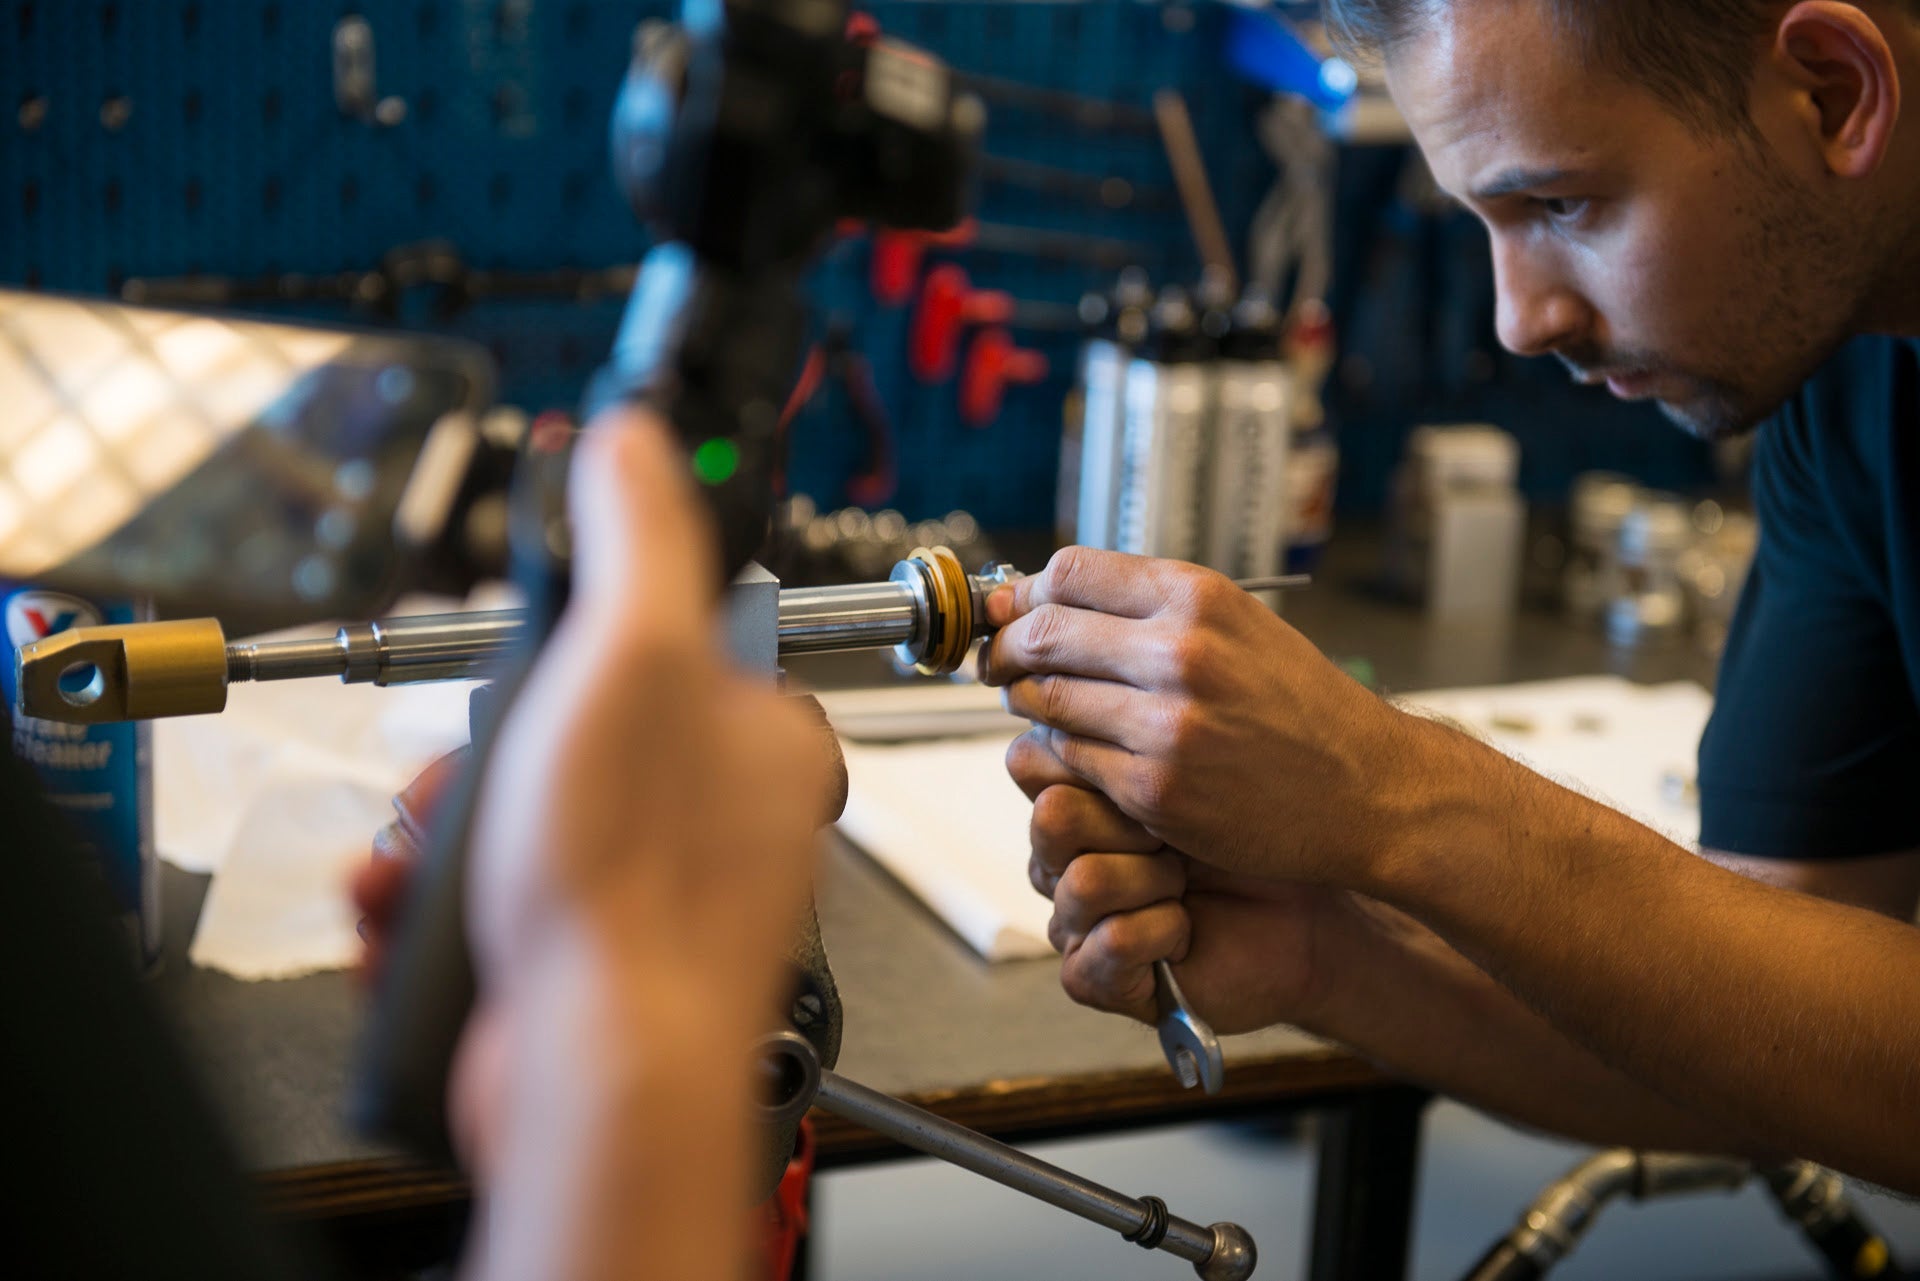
(100, 777)
(1253, 427)
(1164, 454)
(1117, 325)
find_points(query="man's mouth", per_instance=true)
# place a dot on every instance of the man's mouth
(1626, 384)
(1631, 385)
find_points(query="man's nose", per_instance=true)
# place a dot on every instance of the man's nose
(1539, 312)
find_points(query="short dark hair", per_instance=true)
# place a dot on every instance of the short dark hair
(1695, 56)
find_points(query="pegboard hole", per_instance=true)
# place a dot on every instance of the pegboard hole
(510, 20)
(23, 18)
(573, 190)
(574, 107)
(426, 20)
(112, 197)
(577, 22)
(34, 276)
(270, 21)
(192, 107)
(271, 107)
(271, 196)
(349, 192)
(190, 20)
(571, 354)
(193, 195)
(500, 190)
(29, 198)
(426, 104)
(109, 20)
(425, 191)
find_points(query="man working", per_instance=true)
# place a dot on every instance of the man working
(1715, 205)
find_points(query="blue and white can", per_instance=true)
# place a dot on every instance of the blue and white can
(99, 776)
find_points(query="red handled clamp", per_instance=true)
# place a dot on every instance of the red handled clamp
(948, 305)
(993, 364)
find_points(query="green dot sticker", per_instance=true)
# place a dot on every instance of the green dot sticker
(715, 461)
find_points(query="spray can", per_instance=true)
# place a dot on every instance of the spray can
(1117, 325)
(1164, 455)
(1253, 427)
(98, 776)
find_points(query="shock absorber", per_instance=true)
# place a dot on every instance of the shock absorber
(929, 612)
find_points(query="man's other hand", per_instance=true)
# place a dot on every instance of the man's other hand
(1243, 947)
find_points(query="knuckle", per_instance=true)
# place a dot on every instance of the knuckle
(1089, 883)
(1068, 566)
(1059, 935)
(1073, 981)
(1190, 658)
(1184, 731)
(1023, 758)
(1209, 591)
(1081, 981)
(1055, 698)
(1046, 629)
(1055, 815)
(1131, 937)
(1151, 789)
(1040, 877)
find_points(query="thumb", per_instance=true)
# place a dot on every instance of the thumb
(643, 545)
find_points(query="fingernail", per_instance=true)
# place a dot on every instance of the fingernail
(360, 928)
(1000, 606)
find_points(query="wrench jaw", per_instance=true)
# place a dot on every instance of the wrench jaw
(1193, 1052)
(1192, 1049)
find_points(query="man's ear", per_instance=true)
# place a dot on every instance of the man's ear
(1838, 60)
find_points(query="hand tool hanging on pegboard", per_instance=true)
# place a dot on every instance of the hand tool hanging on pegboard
(949, 306)
(837, 362)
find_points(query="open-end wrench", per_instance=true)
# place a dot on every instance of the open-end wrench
(1192, 1050)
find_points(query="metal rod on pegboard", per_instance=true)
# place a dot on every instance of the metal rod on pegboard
(1196, 193)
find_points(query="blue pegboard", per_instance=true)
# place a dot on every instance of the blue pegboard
(233, 159)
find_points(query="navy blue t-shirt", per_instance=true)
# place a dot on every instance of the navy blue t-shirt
(1813, 751)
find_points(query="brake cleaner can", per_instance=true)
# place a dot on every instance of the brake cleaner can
(100, 777)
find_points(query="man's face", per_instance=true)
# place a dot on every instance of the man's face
(1696, 271)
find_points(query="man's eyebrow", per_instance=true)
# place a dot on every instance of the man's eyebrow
(1509, 181)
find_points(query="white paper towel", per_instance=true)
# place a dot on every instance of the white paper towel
(279, 796)
(1630, 746)
(945, 819)
(278, 907)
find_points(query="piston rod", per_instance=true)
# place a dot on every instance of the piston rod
(930, 612)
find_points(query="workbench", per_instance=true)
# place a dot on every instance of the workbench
(995, 1047)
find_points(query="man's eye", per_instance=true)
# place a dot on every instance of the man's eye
(1563, 209)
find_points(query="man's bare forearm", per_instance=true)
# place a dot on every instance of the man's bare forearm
(1406, 999)
(1769, 1013)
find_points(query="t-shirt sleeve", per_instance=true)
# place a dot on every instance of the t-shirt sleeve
(1813, 749)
